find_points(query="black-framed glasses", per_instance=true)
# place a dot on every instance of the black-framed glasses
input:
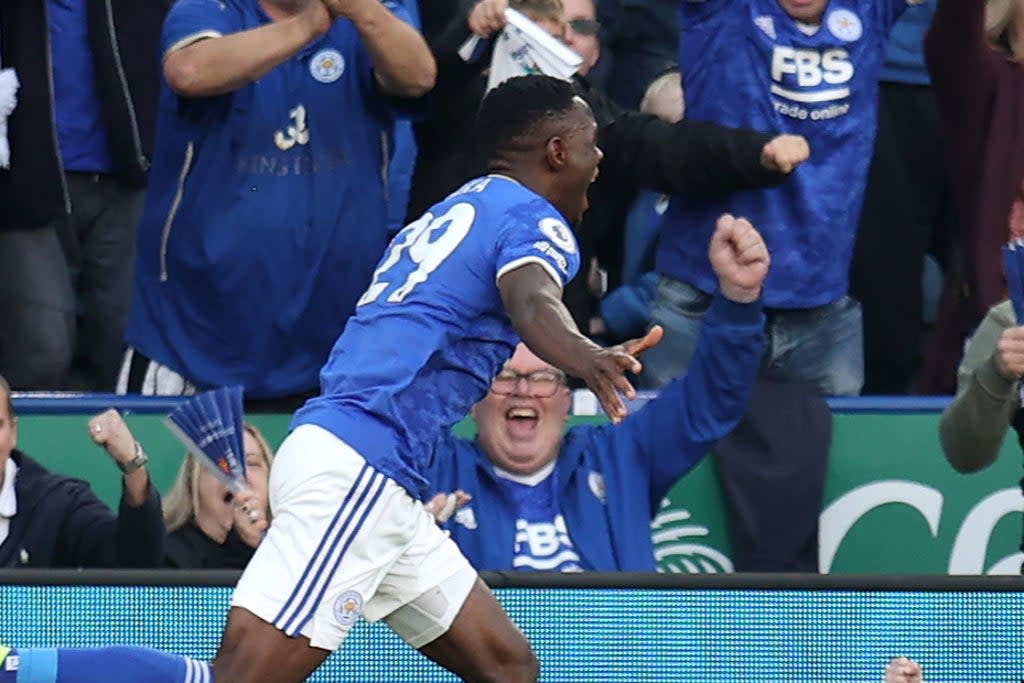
(539, 384)
(585, 27)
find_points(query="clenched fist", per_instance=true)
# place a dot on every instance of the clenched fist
(488, 17)
(108, 429)
(739, 257)
(784, 153)
(1009, 355)
(903, 670)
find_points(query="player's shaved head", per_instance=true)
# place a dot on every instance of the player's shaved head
(522, 113)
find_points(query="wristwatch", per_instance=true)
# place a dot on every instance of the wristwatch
(135, 463)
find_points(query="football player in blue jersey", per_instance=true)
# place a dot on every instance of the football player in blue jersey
(449, 301)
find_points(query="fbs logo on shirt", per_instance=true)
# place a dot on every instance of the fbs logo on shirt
(811, 84)
(812, 68)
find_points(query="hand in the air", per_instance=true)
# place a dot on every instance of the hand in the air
(109, 430)
(903, 670)
(488, 17)
(783, 153)
(739, 257)
(1009, 355)
(606, 375)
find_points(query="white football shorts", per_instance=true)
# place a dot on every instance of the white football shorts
(346, 541)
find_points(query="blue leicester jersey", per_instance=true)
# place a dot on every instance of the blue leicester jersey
(746, 63)
(266, 210)
(431, 332)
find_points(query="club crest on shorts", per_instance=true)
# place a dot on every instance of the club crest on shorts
(327, 66)
(845, 25)
(348, 607)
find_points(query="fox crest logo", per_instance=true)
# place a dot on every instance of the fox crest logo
(327, 66)
(348, 607)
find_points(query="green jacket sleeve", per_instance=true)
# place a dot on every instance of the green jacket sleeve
(974, 424)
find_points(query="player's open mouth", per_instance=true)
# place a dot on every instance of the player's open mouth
(521, 420)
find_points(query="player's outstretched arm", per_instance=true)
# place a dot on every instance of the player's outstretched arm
(533, 301)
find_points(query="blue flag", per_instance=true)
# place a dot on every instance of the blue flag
(211, 425)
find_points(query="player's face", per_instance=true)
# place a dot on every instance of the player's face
(582, 160)
(807, 11)
(8, 432)
(521, 427)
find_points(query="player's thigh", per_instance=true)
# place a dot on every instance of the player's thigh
(338, 527)
(254, 650)
(483, 645)
(434, 600)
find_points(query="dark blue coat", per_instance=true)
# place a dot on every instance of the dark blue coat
(60, 523)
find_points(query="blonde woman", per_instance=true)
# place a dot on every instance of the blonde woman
(974, 51)
(208, 527)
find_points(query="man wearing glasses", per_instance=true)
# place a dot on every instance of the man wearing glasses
(536, 497)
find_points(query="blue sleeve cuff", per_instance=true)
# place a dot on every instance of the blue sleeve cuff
(725, 310)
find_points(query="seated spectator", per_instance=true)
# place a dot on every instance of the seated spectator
(51, 521)
(207, 526)
(987, 401)
(544, 499)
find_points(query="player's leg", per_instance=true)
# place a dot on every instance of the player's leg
(255, 650)
(333, 538)
(100, 665)
(483, 644)
(435, 601)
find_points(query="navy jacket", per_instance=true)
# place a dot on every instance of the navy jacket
(124, 36)
(61, 524)
(611, 479)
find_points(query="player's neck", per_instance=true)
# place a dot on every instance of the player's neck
(537, 182)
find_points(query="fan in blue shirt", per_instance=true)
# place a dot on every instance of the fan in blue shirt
(806, 67)
(267, 202)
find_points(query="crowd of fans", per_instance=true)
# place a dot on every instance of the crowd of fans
(180, 213)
